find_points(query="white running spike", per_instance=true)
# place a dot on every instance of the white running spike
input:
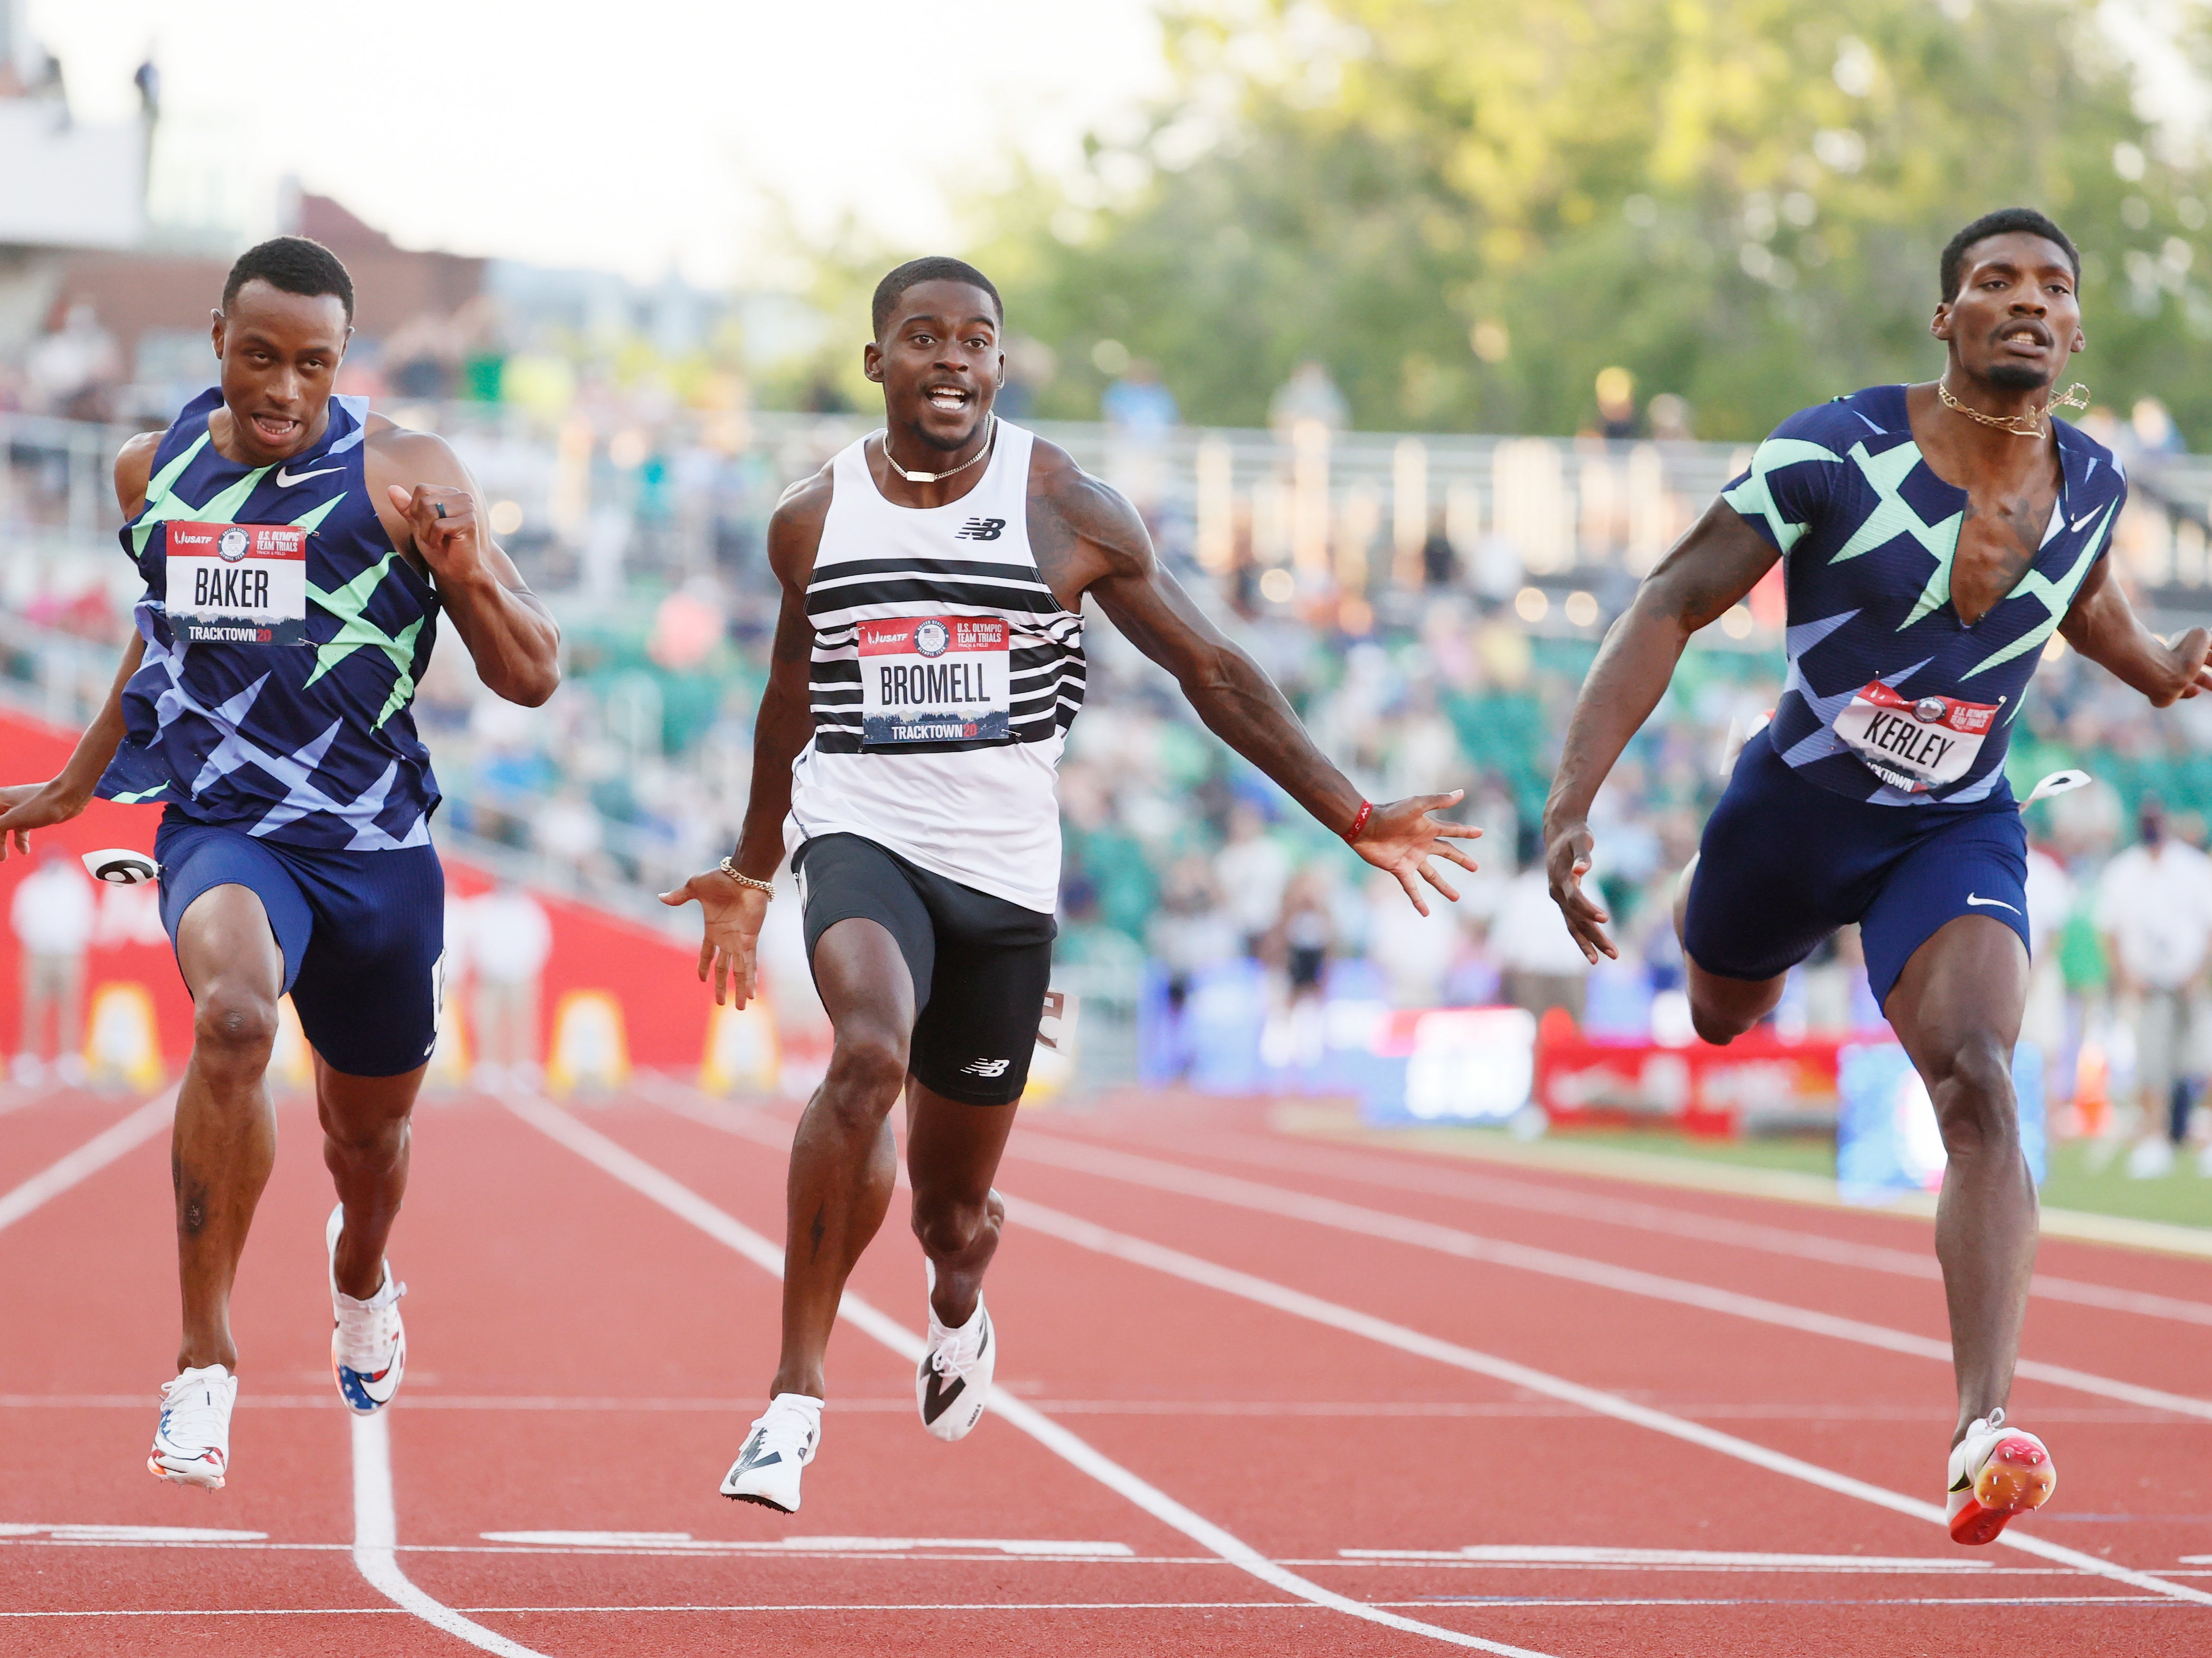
(2059, 782)
(120, 866)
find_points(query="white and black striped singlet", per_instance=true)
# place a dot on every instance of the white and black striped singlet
(946, 674)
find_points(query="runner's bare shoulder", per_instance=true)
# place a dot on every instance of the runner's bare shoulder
(794, 529)
(134, 469)
(1070, 509)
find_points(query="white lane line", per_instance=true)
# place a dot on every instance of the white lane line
(1504, 1193)
(1474, 1602)
(1733, 1410)
(681, 1201)
(1229, 1189)
(1174, 1262)
(376, 1542)
(1025, 1548)
(1571, 1557)
(753, 1123)
(95, 1154)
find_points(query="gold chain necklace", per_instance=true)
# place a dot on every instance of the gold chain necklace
(2034, 425)
(939, 477)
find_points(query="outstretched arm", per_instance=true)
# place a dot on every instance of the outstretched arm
(28, 806)
(430, 508)
(733, 911)
(1713, 567)
(2104, 627)
(1238, 703)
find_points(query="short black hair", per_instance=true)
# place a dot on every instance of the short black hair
(295, 265)
(937, 268)
(2005, 221)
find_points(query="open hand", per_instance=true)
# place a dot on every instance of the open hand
(443, 522)
(28, 806)
(1566, 860)
(1402, 836)
(2190, 652)
(730, 943)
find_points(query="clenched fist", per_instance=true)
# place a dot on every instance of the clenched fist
(444, 523)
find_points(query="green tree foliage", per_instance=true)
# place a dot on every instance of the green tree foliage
(1466, 208)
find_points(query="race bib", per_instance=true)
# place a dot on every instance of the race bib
(238, 584)
(934, 679)
(1915, 743)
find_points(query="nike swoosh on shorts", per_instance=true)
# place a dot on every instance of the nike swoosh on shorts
(1998, 903)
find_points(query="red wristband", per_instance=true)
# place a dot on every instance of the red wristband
(1366, 810)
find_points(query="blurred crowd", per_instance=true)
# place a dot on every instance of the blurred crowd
(635, 487)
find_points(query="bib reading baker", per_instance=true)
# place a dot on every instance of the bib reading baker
(240, 584)
(934, 679)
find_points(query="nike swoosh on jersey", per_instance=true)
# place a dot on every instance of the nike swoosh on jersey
(1999, 903)
(285, 480)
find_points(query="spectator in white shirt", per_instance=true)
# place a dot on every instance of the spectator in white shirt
(1544, 966)
(2154, 908)
(52, 916)
(1253, 870)
(509, 937)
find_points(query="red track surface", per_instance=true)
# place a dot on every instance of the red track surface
(584, 1361)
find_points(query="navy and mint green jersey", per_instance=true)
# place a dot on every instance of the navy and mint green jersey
(275, 694)
(1890, 697)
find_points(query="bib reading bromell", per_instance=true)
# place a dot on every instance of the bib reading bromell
(284, 639)
(1891, 696)
(933, 679)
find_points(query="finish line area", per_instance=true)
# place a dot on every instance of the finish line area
(1259, 1392)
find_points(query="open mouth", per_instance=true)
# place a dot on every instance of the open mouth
(275, 428)
(951, 398)
(2025, 338)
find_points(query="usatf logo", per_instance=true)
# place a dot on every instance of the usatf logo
(980, 529)
(985, 1068)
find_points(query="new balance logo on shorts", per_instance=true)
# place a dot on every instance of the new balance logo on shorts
(985, 1067)
(980, 529)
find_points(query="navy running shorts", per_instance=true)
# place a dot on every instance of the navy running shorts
(364, 935)
(980, 965)
(1784, 863)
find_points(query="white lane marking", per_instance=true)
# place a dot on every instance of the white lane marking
(1024, 1547)
(1467, 1600)
(681, 1201)
(376, 1542)
(1174, 1262)
(1185, 1181)
(95, 1154)
(1534, 1410)
(1348, 1164)
(1576, 1556)
(1388, 1173)
(131, 1534)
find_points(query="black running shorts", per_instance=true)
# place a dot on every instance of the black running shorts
(980, 965)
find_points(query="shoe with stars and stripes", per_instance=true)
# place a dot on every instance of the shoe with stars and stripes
(368, 1343)
(780, 1442)
(192, 1445)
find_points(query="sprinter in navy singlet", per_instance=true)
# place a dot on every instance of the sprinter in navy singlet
(1932, 538)
(297, 552)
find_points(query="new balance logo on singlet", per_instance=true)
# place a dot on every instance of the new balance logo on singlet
(980, 529)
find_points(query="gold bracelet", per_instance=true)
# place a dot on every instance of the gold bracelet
(744, 880)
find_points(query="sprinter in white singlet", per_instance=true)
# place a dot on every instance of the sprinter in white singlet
(929, 663)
